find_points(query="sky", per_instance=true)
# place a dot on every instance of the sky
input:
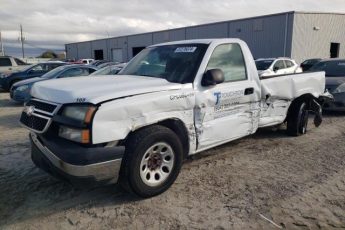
(49, 24)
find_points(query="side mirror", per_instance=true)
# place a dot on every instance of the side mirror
(212, 77)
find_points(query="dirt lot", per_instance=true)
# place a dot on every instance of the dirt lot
(298, 183)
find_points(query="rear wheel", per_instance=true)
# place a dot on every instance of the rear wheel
(297, 120)
(152, 161)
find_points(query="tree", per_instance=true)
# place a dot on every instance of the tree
(48, 54)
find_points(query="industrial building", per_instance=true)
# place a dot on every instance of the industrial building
(299, 35)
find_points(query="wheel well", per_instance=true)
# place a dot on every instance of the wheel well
(178, 127)
(305, 97)
(181, 131)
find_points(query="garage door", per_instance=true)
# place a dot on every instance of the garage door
(117, 55)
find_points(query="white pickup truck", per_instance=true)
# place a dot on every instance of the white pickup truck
(172, 100)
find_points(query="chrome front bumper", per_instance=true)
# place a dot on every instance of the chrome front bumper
(105, 171)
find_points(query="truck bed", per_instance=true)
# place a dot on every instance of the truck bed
(278, 92)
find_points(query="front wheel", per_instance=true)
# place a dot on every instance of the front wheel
(152, 161)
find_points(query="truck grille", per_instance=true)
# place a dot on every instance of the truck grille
(34, 122)
(37, 115)
(42, 106)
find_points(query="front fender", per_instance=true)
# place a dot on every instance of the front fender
(114, 120)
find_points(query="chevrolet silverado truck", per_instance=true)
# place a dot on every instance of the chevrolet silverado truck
(171, 101)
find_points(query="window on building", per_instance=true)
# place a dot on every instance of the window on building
(334, 51)
(98, 55)
(229, 58)
(136, 50)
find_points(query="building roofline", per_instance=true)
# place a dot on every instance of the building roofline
(208, 24)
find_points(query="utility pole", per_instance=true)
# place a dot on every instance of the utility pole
(2, 51)
(22, 39)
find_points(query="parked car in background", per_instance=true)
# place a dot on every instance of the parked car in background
(86, 61)
(276, 66)
(108, 64)
(99, 62)
(8, 64)
(110, 69)
(37, 70)
(307, 64)
(335, 82)
(20, 91)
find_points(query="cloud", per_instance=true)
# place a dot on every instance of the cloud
(53, 23)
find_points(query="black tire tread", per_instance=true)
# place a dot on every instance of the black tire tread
(132, 143)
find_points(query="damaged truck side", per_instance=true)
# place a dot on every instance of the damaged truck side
(172, 100)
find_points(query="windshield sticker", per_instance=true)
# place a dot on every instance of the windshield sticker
(185, 49)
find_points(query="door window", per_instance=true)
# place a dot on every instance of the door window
(289, 64)
(19, 62)
(75, 72)
(5, 62)
(229, 58)
(279, 65)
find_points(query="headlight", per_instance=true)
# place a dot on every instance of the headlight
(340, 89)
(80, 113)
(78, 135)
(3, 75)
(23, 88)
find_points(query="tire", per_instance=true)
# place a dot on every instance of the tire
(297, 120)
(11, 84)
(152, 161)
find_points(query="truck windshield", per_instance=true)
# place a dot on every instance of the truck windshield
(175, 63)
(334, 68)
(263, 64)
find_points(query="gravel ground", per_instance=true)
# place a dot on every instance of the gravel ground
(297, 183)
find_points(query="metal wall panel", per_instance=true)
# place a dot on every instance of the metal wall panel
(84, 50)
(169, 35)
(141, 40)
(266, 36)
(313, 34)
(72, 51)
(216, 30)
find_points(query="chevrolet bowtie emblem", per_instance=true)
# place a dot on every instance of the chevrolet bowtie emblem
(29, 110)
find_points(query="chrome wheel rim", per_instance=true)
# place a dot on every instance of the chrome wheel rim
(157, 164)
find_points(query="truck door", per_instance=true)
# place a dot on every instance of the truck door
(228, 110)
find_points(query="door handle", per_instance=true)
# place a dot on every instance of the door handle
(249, 91)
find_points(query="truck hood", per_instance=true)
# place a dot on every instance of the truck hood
(98, 89)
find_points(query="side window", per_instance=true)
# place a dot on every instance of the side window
(75, 72)
(91, 71)
(288, 63)
(19, 62)
(5, 62)
(279, 65)
(37, 68)
(229, 58)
